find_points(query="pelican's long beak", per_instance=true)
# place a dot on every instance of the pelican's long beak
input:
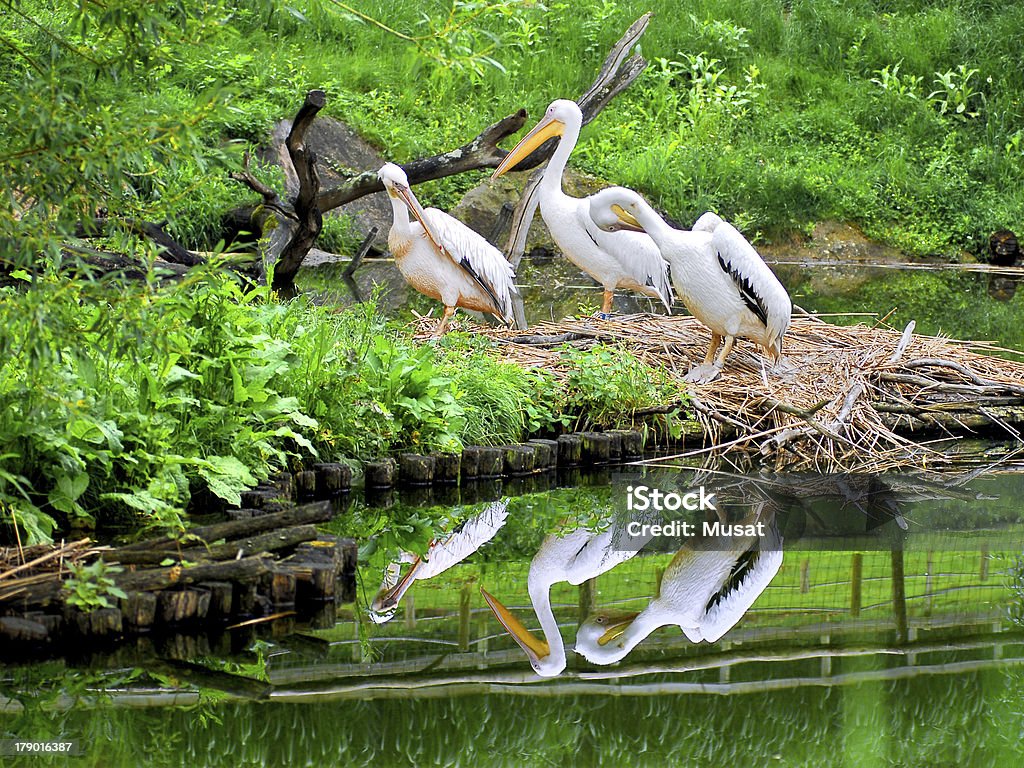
(534, 647)
(626, 219)
(546, 129)
(617, 624)
(405, 194)
(389, 598)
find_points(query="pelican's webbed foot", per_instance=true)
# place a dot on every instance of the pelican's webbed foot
(702, 374)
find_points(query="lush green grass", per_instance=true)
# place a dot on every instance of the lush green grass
(904, 118)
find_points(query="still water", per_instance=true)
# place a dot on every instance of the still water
(872, 623)
(869, 621)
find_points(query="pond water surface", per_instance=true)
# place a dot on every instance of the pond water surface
(869, 621)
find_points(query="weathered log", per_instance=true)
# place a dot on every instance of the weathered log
(380, 474)
(446, 468)
(518, 460)
(310, 513)
(18, 630)
(596, 448)
(139, 609)
(490, 462)
(333, 478)
(545, 453)
(570, 450)
(306, 483)
(415, 469)
(281, 538)
(159, 578)
(170, 249)
(221, 594)
(349, 563)
(281, 586)
(470, 463)
(175, 606)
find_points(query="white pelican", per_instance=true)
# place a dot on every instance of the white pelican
(574, 557)
(705, 590)
(442, 258)
(443, 553)
(722, 280)
(616, 260)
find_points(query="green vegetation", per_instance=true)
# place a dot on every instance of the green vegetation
(92, 586)
(903, 119)
(128, 400)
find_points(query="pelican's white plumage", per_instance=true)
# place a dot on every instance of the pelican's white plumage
(718, 275)
(443, 258)
(444, 552)
(705, 591)
(627, 260)
(574, 557)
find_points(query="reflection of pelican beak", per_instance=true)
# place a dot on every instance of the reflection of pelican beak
(406, 196)
(626, 219)
(546, 129)
(535, 648)
(617, 624)
(387, 600)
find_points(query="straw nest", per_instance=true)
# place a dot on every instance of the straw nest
(845, 398)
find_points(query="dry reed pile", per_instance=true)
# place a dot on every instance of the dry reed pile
(845, 398)
(23, 567)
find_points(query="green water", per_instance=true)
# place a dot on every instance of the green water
(889, 635)
(932, 678)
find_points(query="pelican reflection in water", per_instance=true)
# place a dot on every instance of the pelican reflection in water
(444, 552)
(706, 589)
(575, 557)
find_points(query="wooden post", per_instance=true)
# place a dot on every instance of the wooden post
(805, 576)
(465, 601)
(588, 599)
(856, 577)
(409, 614)
(899, 595)
(983, 563)
(928, 596)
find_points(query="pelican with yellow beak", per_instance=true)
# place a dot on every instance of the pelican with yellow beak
(706, 589)
(574, 557)
(444, 259)
(719, 276)
(627, 260)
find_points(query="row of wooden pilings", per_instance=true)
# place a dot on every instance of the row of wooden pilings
(446, 470)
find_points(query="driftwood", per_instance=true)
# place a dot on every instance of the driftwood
(265, 542)
(245, 569)
(306, 514)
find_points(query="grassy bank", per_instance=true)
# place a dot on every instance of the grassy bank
(903, 118)
(129, 400)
